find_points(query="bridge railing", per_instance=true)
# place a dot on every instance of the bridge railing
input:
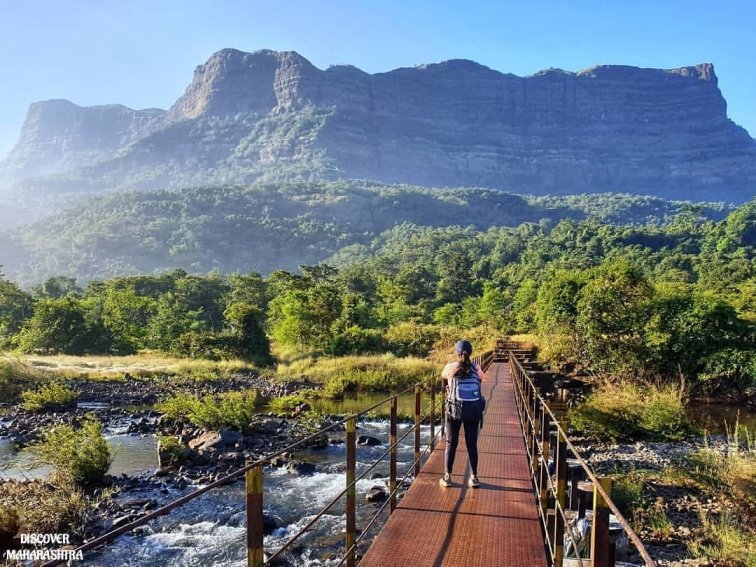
(254, 474)
(548, 447)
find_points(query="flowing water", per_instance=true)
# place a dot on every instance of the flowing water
(210, 530)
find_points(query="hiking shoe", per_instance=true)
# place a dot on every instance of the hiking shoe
(474, 482)
(445, 480)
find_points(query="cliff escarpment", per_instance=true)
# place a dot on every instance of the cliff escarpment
(273, 115)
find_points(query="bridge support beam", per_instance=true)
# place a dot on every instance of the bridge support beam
(351, 495)
(600, 544)
(254, 487)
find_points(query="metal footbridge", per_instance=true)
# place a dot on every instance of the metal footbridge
(538, 503)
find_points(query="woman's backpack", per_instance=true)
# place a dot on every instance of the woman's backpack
(465, 401)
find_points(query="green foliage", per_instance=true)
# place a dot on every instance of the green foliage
(80, 455)
(170, 450)
(629, 411)
(231, 409)
(48, 397)
(627, 493)
(290, 402)
(355, 340)
(57, 287)
(15, 307)
(244, 321)
(411, 339)
(57, 326)
(611, 312)
(649, 303)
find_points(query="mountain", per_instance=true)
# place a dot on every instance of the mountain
(272, 116)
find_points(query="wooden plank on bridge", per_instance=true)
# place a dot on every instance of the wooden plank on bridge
(495, 525)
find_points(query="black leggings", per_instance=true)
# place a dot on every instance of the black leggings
(452, 439)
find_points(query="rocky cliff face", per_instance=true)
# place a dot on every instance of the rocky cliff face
(58, 136)
(273, 114)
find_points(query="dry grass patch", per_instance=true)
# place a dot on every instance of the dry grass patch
(145, 364)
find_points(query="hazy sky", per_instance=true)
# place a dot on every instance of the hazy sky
(142, 53)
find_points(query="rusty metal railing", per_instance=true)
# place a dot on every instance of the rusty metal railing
(547, 443)
(254, 476)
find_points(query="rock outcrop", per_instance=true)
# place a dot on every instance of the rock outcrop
(272, 114)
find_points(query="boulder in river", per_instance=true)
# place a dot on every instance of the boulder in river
(368, 440)
(377, 493)
(298, 467)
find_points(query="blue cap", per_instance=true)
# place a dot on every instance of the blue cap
(463, 346)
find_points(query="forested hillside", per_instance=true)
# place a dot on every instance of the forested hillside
(265, 227)
(660, 302)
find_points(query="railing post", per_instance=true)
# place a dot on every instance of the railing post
(543, 481)
(443, 407)
(433, 416)
(600, 556)
(351, 496)
(392, 460)
(561, 482)
(254, 489)
(536, 431)
(418, 393)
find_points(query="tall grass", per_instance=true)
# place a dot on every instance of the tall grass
(17, 376)
(145, 364)
(360, 373)
(732, 470)
(723, 541)
(626, 410)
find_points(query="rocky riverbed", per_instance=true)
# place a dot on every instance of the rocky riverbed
(124, 407)
(666, 490)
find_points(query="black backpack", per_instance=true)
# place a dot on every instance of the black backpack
(465, 401)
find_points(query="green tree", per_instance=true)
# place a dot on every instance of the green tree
(56, 287)
(244, 321)
(170, 319)
(57, 326)
(612, 310)
(16, 306)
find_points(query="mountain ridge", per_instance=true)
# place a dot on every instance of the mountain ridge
(273, 115)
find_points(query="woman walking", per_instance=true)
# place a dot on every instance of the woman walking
(464, 408)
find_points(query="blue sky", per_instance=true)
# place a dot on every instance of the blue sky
(142, 53)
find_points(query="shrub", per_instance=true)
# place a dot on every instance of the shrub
(232, 409)
(169, 449)
(626, 410)
(291, 402)
(48, 397)
(356, 340)
(411, 339)
(81, 455)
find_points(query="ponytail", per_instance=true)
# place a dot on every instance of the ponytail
(464, 365)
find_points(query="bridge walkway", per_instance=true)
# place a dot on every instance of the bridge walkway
(495, 525)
